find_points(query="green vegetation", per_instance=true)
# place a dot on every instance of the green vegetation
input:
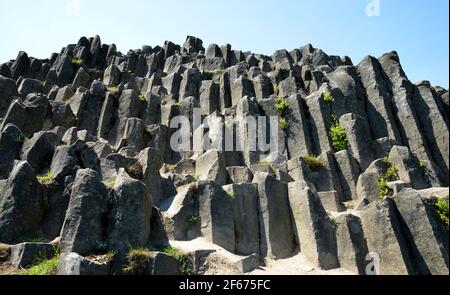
(442, 210)
(231, 193)
(113, 90)
(282, 106)
(422, 164)
(110, 183)
(77, 61)
(392, 171)
(137, 260)
(314, 163)
(142, 97)
(101, 246)
(43, 266)
(22, 138)
(338, 136)
(46, 179)
(31, 239)
(327, 97)
(284, 124)
(194, 219)
(177, 105)
(385, 191)
(276, 89)
(184, 260)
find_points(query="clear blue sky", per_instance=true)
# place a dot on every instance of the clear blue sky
(417, 29)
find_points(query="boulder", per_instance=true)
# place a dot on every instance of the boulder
(131, 213)
(21, 204)
(74, 265)
(83, 227)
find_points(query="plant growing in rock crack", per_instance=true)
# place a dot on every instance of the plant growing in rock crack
(31, 239)
(327, 97)
(194, 219)
(22, 138)
(284, 124)
(338, 135)
(77, 61)
(101, 246)
(392, 171)
(113, 90)
(44, 266)
(184, 260)
(422, 165)
(385, 190)
(137, 260)
(46, 179)
(231, 193)
(282, 106)
(314, 163)
(136, 171)
(441, 207)
(142, 97)
(276, 89)
(110, 183)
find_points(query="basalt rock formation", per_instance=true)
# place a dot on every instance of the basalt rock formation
(356, 179)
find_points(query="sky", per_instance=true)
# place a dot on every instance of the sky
(417, 29)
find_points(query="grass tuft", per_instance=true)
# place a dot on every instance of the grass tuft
(327, 97)
(46, 179)
(314, 163)
(442, 210)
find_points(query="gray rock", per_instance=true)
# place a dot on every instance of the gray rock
(83, 228)
(190, 84)
(246, 222)
(30, 86)
(314, 230)
(240, 174)
(131, 214)
(26, 254)
(11, 140)
(351, 244)
(385, 241)
(75, 265)
(424, 232)
(211, 166)
(151, 163)
(216, 213)
(408, 167)
(21, 204)
(209, 97)
(360, 143)
(38, 151)
(8, 90)
(275, 227)
(239, 88)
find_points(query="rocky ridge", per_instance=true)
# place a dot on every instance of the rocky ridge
(88, 178)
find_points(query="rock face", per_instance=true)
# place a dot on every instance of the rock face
(83, 227)
(266, 157)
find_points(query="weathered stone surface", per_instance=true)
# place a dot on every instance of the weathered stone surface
(351, 244)
(83, 227)
(314, 231)
(74, 264)
(246, 222)
(131, 214)
(176, 218)
(424, 232)
(38, 151)
(408, 167)
(211, 166)
(11, 140)
(385, 242)
(275, 227)
(239, 88)
(8, 90)
(21, 204)
(216, 213)
(360, 143)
